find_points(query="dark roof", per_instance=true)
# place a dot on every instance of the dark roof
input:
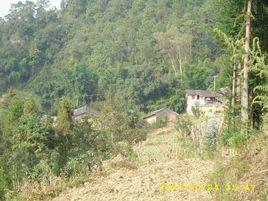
(80, 111)
(161, 111)
(85, 110)
(203, 93)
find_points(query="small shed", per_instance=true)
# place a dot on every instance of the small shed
(170, 115)
(81, 113)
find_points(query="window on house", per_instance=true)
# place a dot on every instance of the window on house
(197, 97)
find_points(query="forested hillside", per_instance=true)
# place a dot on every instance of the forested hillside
(125, 58)
(147, 52)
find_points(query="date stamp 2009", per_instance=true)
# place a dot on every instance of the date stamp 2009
(206, 187)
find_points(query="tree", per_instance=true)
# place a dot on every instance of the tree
(64, 132)
(175, 46)
(245, 91)
(27, 141)
(64, 123)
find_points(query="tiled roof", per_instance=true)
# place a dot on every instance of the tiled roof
(85, 109)
(163, 110)
(80, 111)
(203, 93)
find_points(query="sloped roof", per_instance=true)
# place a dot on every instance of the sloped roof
(204, 93)
(80, 111)
(161, 111)
(85, 110)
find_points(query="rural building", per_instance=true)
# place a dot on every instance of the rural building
(81, 113)
(205, 101)
(170, 116)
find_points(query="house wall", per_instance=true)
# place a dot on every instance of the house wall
(207, 109)
(193, 101)
(211, 109)
(172, 119)
(151, 119)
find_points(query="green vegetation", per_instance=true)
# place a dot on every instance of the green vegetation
(246, 169)
(87, 48)
(125, 57)
(32, 149)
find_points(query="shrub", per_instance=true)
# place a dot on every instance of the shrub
(247, 168)
(238, 140)
(34, 151)
(184, 125)
(104, 145)
(211, 135)
(160, 123)
(196, 111)
(211, 138)
(119, 124)
(234, 140)
(3, 184)
(81, 164)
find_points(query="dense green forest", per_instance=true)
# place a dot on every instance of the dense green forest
(126, 57)
(89, 47)
(148, 52)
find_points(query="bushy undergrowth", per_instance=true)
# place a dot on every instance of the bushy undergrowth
(160, 123)
(244, 176)
(39, 158)
(236, 139)
(211, 135)
(184, 125)
(200, 132)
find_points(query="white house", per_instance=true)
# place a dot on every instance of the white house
(205, 101)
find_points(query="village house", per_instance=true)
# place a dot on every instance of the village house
(204, 101)
(166, 113)
(81, 113)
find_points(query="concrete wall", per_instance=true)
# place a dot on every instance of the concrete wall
(193, 101)
(211, 109)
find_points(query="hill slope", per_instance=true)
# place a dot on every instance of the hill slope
(88, 47)
(158, 165)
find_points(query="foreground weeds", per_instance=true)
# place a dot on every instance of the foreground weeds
(245, 175)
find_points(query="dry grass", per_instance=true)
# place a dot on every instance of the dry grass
(120, 162)
(257, 157)
(33, 190)
(250, 167)
(165, 158)
(158, 163)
